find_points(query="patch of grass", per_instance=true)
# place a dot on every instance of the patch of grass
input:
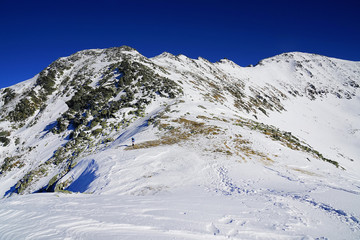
(285, 138)
(222, 150)
(187, 130)
(306, 172)
(146, 144)
(189, 123)
(242, 148)
(203, 117)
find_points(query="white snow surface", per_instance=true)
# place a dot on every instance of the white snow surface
(194, 189)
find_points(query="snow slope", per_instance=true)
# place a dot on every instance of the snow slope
(264, 152)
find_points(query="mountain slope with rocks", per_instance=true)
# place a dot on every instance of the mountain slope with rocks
(221, 151)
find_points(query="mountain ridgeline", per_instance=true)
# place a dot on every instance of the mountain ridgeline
(87, 102)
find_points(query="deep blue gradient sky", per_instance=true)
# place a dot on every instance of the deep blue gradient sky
(35, 33)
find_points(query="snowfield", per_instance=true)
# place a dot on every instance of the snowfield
(208, 164)
(190, 214)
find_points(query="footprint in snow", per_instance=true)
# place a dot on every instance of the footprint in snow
(226, 220)
(212, 229)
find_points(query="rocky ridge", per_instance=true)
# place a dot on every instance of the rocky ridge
(84, 103)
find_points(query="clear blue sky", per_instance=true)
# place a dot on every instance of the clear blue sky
(35, 33)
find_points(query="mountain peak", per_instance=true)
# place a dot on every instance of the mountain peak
(300, 57)
(110, 54)
(165, 55)
(227, 61)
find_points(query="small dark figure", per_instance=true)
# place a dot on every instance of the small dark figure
(133, 141)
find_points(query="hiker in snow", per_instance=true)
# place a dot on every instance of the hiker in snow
(133, 141)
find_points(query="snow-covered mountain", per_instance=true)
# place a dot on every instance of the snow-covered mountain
(221, 151)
